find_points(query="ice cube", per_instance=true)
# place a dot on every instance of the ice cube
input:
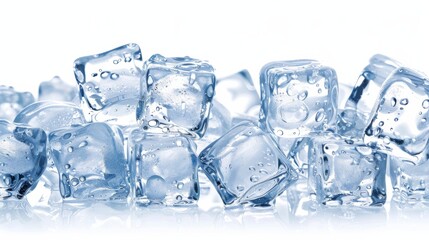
(409, 181)
(299, 98)
(298, 154)
(246, 166)
(239, 94)
(357, 111)
(399, 125)
(90, 161)
(219, 123)
(51, 115)
(109, 83)
(22, 159)
(58, 90)
(176, 95)
(346, 173)
(163, 169)
(11, 102)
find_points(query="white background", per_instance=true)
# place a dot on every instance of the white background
(40, 39)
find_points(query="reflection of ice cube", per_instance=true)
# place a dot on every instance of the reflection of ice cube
(163, 169)
(246, 166)
(58, 90)
(299, 97)
(90, 161)
(399, 125)
(238, 93)
(22, 159)
(109, 83)
(11, 102)
(176, 95)
(346, 173)
(357, 111)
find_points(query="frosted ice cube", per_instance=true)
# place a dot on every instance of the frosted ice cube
(298, 97)
(176, 95)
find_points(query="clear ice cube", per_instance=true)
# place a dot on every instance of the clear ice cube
(90, 161)
(109, 83)
(346, 173)
(219, 123)
(58, 90)
(22, 159)
(50, 115)
(357, 111)
(400, 125)
(176, 95)
(163, 169)
(246, 166)
(409, 181)
(298, 97)
(12, 102)
(239, 94)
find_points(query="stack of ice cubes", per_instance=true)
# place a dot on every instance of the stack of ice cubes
(145, 131)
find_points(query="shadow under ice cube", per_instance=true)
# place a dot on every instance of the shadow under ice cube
(22, 159)
(109, 83)
(246, 166)
(90, 161)
(163, 169)
(176, 95)
(346, 173)
(400, 125)
(298, 97)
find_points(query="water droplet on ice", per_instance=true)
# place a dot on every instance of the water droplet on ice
(254, 178)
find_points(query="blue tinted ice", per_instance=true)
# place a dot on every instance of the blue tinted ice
(357, 111)
(297, 154)
(238, 93)
(176, 95)
(298, 97)
(22, 159)
(50, 115)
(163, 169)
(219, 123)
(246, 166)
(11, 102)
(109, 84)
(90, 161)
(409, 181)
(58, 90)
(345, 173)
(400, 125)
